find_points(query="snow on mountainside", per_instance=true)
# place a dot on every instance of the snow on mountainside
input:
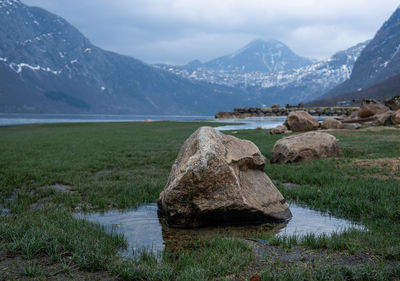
(259, 56)
(379, 60)
(48, 66)
(299, 84)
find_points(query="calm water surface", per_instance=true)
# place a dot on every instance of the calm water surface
(235, 124)
(143, 230)
(20, 119)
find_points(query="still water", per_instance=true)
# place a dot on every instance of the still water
(143, 230)
(20, 119)
(234, 124)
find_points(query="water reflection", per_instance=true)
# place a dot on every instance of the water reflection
(143, 229)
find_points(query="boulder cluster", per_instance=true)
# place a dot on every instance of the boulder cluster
(219, 179)
(371, 112)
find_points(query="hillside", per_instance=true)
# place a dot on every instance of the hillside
(379, 60)
(48, 66)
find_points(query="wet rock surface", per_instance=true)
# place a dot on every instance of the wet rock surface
(220, 180)
(304, 147)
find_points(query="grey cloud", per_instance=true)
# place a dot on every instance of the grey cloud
(177, 31)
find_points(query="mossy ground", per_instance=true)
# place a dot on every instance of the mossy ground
(121, 165)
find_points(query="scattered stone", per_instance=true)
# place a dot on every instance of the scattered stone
(223, 115)
(301, 121)
(393, 103)
(351, 126)
(304, 147)
(255, 277)
(371, 109)
(331, 124)
(396, 117)
(61, 187)
(217, 180)
(279, 130)
(383, 119)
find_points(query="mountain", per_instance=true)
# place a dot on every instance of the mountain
(381, 91)
(379, 60)
(291, 86)
(259, 56)
(48, 66)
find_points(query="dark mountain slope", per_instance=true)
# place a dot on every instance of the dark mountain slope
(381, 91)
(379, 61)
(47, 65)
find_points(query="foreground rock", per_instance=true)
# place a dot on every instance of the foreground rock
(301, 121)
(304, 147)
(281, 129)
(217, 180)
(331, 124)
(396, 117)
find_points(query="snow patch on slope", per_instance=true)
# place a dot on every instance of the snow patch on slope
(20, 66)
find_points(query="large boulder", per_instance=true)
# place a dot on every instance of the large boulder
(301, 121)
(370, 109)
(281, 129)
(383, 119)
(396, 117)
(331, 123)
(393, 103)
(218, 180)
(303, 147)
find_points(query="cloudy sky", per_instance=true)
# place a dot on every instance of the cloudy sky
(177, 31)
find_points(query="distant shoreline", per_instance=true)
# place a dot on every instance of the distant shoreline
(245, 112)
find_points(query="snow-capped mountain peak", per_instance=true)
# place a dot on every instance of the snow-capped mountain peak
(260, 55)
(296, 84)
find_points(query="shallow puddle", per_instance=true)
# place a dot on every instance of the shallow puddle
(143, 230)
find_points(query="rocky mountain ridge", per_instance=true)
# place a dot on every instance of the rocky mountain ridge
(269, 56)
(291, 86)
(379, 61)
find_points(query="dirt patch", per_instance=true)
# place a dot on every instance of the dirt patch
(277, 258)
(380, 128)
(392, 164)
(385, 168)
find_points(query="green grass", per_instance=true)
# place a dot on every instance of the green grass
(123, 165)
(309, 272)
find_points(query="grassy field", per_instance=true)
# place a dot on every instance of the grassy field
(122, 165)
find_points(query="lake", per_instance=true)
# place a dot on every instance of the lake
(235, 124)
